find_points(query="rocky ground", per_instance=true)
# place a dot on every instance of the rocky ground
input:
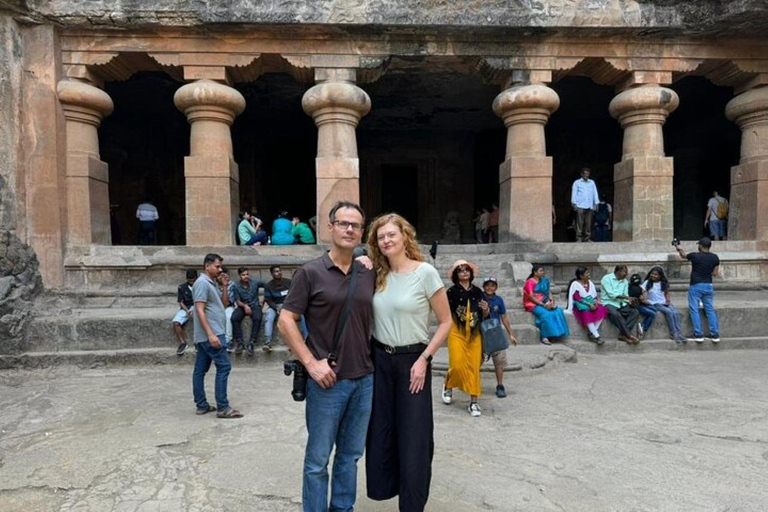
(639, 432)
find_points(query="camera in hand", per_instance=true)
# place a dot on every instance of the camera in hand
(675, 241)
(299, 391)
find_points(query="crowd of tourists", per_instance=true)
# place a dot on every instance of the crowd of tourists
(358, 327)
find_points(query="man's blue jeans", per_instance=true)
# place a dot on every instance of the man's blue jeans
(337, 415)
(705, 293)
(269, 325)
(205, 354)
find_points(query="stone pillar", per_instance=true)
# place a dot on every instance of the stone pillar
(211, 174)
(525, 176)
(336, 104)
(748, 212)
(643, 200)
(87, 176)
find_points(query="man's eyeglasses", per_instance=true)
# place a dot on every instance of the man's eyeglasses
(344, 225)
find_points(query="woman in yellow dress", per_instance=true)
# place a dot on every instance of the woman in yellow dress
(465, 345)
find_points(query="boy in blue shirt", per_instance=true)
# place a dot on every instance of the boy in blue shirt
(499, 312)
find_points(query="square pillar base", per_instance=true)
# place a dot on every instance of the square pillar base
(748, 210)
(338, 179)
(525, 199)
(212, 199)
(643, 206)
(87, 201)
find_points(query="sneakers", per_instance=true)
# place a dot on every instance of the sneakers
(249, 349)
(182, 348)
(267, 347)
(681, 339)
(474, 410)
(698, 339)
(545, 341)
(230, 347)
(640, 331)
(500, 391)
(715, 339)
(239, 349)
(447, 396)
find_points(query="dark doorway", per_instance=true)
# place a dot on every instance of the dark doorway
(400, 191)
(581, 133)
(144, 142)
(431, 145)
(275, 144)
(704, 144)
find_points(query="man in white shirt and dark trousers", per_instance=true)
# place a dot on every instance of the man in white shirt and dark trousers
(148, 216)
(584, 199)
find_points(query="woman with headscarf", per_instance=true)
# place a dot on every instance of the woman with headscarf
(465, 344)
(537, 300)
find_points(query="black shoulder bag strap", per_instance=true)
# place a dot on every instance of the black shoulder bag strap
(332, 356)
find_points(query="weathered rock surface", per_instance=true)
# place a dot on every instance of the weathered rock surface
(20, 283)
(706, 16)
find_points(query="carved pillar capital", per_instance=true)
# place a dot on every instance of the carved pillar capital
(642, 111)
(84, 103)
(211, 109)
(643, 179)
(210, 101)
(87, 176)
(337, 105)
(532, 103)
(525, 110)
(336, 102)
(525, 177)
(644, 104)
(749, 110)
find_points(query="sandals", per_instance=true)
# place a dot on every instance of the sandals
(230, 413)
(200, 412)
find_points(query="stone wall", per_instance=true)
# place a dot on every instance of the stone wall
(702, 16)
(20, 280)
(10, 79)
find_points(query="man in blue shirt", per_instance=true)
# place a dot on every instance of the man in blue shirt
(499, 312)
(248, 304)
(584, 199)
(210, 339)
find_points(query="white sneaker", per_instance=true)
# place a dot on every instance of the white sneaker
(715, 340)
(474, 410)
(447, 396)
(699, 339)
(640, 331)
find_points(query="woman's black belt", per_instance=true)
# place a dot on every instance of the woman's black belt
(415, 348)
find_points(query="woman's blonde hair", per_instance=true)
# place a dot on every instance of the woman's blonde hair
(380, 262)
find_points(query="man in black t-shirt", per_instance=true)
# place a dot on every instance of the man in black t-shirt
(704, 266)
(340, 393)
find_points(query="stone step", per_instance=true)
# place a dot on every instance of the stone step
(620, 347)
(522, 358)
(144, 328)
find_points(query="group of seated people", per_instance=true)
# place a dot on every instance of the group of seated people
(624, 302)
(244, 300)
(251, 232)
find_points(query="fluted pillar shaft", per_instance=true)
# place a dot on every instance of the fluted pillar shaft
(525, 176)
(748, 212)
(210, 172)
(87, 176)
(336, 106)
(643, 192)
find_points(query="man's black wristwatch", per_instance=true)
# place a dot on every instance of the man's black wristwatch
(426, 356)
